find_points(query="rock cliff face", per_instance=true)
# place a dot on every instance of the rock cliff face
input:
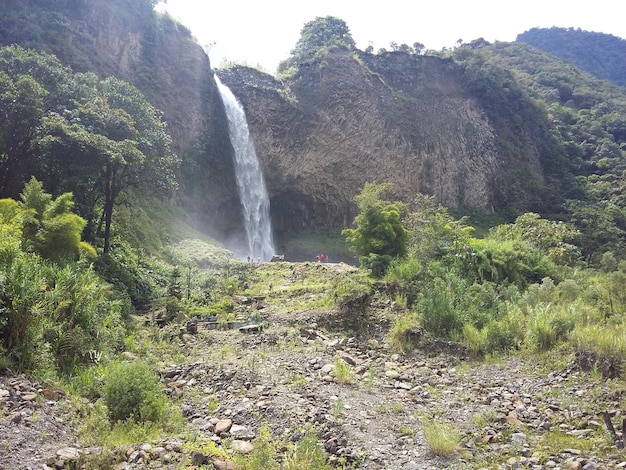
(393, 117)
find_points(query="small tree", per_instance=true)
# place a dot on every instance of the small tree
(314, 36)
(379, 234)
(50, 228)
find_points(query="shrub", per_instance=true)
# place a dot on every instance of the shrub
(132, 391)
(441, 307)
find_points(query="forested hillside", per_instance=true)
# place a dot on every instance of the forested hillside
(599, 54)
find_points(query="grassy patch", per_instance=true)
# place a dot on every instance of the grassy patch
(442, 438)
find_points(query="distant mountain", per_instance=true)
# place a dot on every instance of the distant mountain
(599, 54)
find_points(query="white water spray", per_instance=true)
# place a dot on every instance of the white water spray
(250, 182)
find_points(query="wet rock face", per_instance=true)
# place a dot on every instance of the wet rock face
(348, 120)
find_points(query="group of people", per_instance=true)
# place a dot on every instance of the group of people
(321, 257)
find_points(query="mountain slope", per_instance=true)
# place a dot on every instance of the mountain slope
(602, 55)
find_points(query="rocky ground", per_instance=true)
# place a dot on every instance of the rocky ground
(370, 414)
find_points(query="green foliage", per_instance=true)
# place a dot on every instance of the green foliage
(58, 313)
(11, 227)
(403, 277)
(133, 392)
(94, 138)
(546, 327)
(23, 284)
(80, 322)
(306, 453)
(316, 36)
(442, 307)
(50, 228)
(433, 232)
(220, 308)
(379, 234)
(132, 277)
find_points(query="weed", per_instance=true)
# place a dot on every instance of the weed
(442, 438)
(406, 431)
(369, 379)
(343, 372)
(296, 380)
(397, 408)
(337, 409)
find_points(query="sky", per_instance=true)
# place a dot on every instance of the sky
(263, 32)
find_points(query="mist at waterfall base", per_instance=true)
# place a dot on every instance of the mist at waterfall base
(250, 183)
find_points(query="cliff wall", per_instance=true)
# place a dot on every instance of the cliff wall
(394, 117)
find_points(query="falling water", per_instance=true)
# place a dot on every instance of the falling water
(250, 183)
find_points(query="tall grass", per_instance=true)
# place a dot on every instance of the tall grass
(403, 332)
(442, 438)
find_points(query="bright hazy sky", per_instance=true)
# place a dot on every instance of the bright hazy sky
(264, 31)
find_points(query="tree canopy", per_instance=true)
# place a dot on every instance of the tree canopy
(314, 37)
(379, 234)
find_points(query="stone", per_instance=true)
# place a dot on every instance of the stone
(223, 425)
(591, 466)
(222, 465)
(50, 394)
(198, 458)
(243, 447)
(157, 452)
(518, 438)
(241, 433)
(69, 453)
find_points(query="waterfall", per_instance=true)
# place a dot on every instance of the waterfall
(250, 182)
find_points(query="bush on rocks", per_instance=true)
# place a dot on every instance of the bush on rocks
(133, 391)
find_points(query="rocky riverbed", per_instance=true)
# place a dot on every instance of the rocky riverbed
(367, 405)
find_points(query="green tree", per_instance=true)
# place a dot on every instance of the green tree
(433, 232)
(314, 37)
(96, 139)
(379, 234)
